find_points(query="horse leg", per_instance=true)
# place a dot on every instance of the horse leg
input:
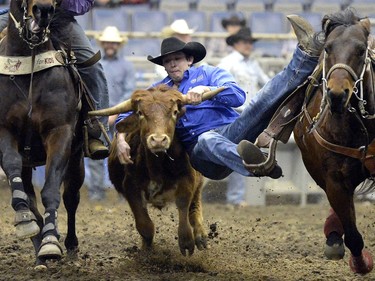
(25, 220)
(58, 147)
(29, 188)
(196, 219)
(71, 196)
(333, 230)
(342, 203)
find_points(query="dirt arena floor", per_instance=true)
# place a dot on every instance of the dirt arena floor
(277, 242)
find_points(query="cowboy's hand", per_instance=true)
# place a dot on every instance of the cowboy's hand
(194, 95)
(123, 150)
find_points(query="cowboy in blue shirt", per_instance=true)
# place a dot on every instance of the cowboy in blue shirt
(210, 131)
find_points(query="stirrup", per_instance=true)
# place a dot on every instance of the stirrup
(267, 166)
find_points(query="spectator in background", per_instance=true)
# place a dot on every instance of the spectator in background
(216, 46)
(120, 75)
(250, 77)
(180, 30)
(240, 63)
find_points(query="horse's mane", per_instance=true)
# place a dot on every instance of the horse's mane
(346, 18)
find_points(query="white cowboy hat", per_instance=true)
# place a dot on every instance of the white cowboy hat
(112, 34)
(179, 26)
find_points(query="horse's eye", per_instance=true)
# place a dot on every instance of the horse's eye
(140, 113)
(175, 113)
(361, 52)
(327, 49)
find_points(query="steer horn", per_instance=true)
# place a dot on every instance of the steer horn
(126, 106)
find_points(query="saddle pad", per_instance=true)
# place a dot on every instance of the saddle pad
(22, 65)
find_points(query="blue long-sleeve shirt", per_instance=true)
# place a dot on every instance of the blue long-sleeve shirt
(210, 114)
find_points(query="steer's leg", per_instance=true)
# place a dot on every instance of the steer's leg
(196, 215)
(143, 222)
(184, 197)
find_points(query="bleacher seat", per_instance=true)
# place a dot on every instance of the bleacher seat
(180, 5)
(314, 18)
(292, 6)
(268, 22)
(142, 47)
(327, 6)
(217, 5)
(364, 7)
(195, 19)
(217, 17)
(250, 5)
(103, 17)
(148, 21)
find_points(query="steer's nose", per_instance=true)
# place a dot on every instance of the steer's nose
(158, 142)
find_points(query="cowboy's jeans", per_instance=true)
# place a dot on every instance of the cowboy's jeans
(215, 154)
(93, 76)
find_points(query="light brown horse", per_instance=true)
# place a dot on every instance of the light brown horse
(39, 124)
(336, 130)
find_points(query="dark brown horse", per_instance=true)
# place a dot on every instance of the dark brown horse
(39, 124)
(336, 130)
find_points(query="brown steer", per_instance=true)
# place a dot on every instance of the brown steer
(161, 171)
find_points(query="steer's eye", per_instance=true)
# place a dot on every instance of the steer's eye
(140, 113)
(175, 113)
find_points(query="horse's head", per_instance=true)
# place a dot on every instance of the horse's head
(345, 58)
(32, 19)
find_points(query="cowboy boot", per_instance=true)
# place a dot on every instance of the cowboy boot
(94, 146)
(252, 156)
(305, 35)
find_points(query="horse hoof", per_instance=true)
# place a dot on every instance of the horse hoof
(334, 249)
(26, 226)
(26, 230)
(50, 248)
(362, 264)
(40, 267)
(335, 252)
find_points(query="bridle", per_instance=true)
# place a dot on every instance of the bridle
(31, 39)
(363, 153)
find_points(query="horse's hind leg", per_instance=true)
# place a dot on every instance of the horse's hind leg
(25, 220)
(71, 196)
(343, 205)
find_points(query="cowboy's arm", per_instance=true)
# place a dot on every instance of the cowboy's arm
(123, 148)
(232, 96)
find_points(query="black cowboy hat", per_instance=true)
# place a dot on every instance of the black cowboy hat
(172, 45)
(243, 34)
(233, 20)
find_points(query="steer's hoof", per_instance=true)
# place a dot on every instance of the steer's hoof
(50, 248)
